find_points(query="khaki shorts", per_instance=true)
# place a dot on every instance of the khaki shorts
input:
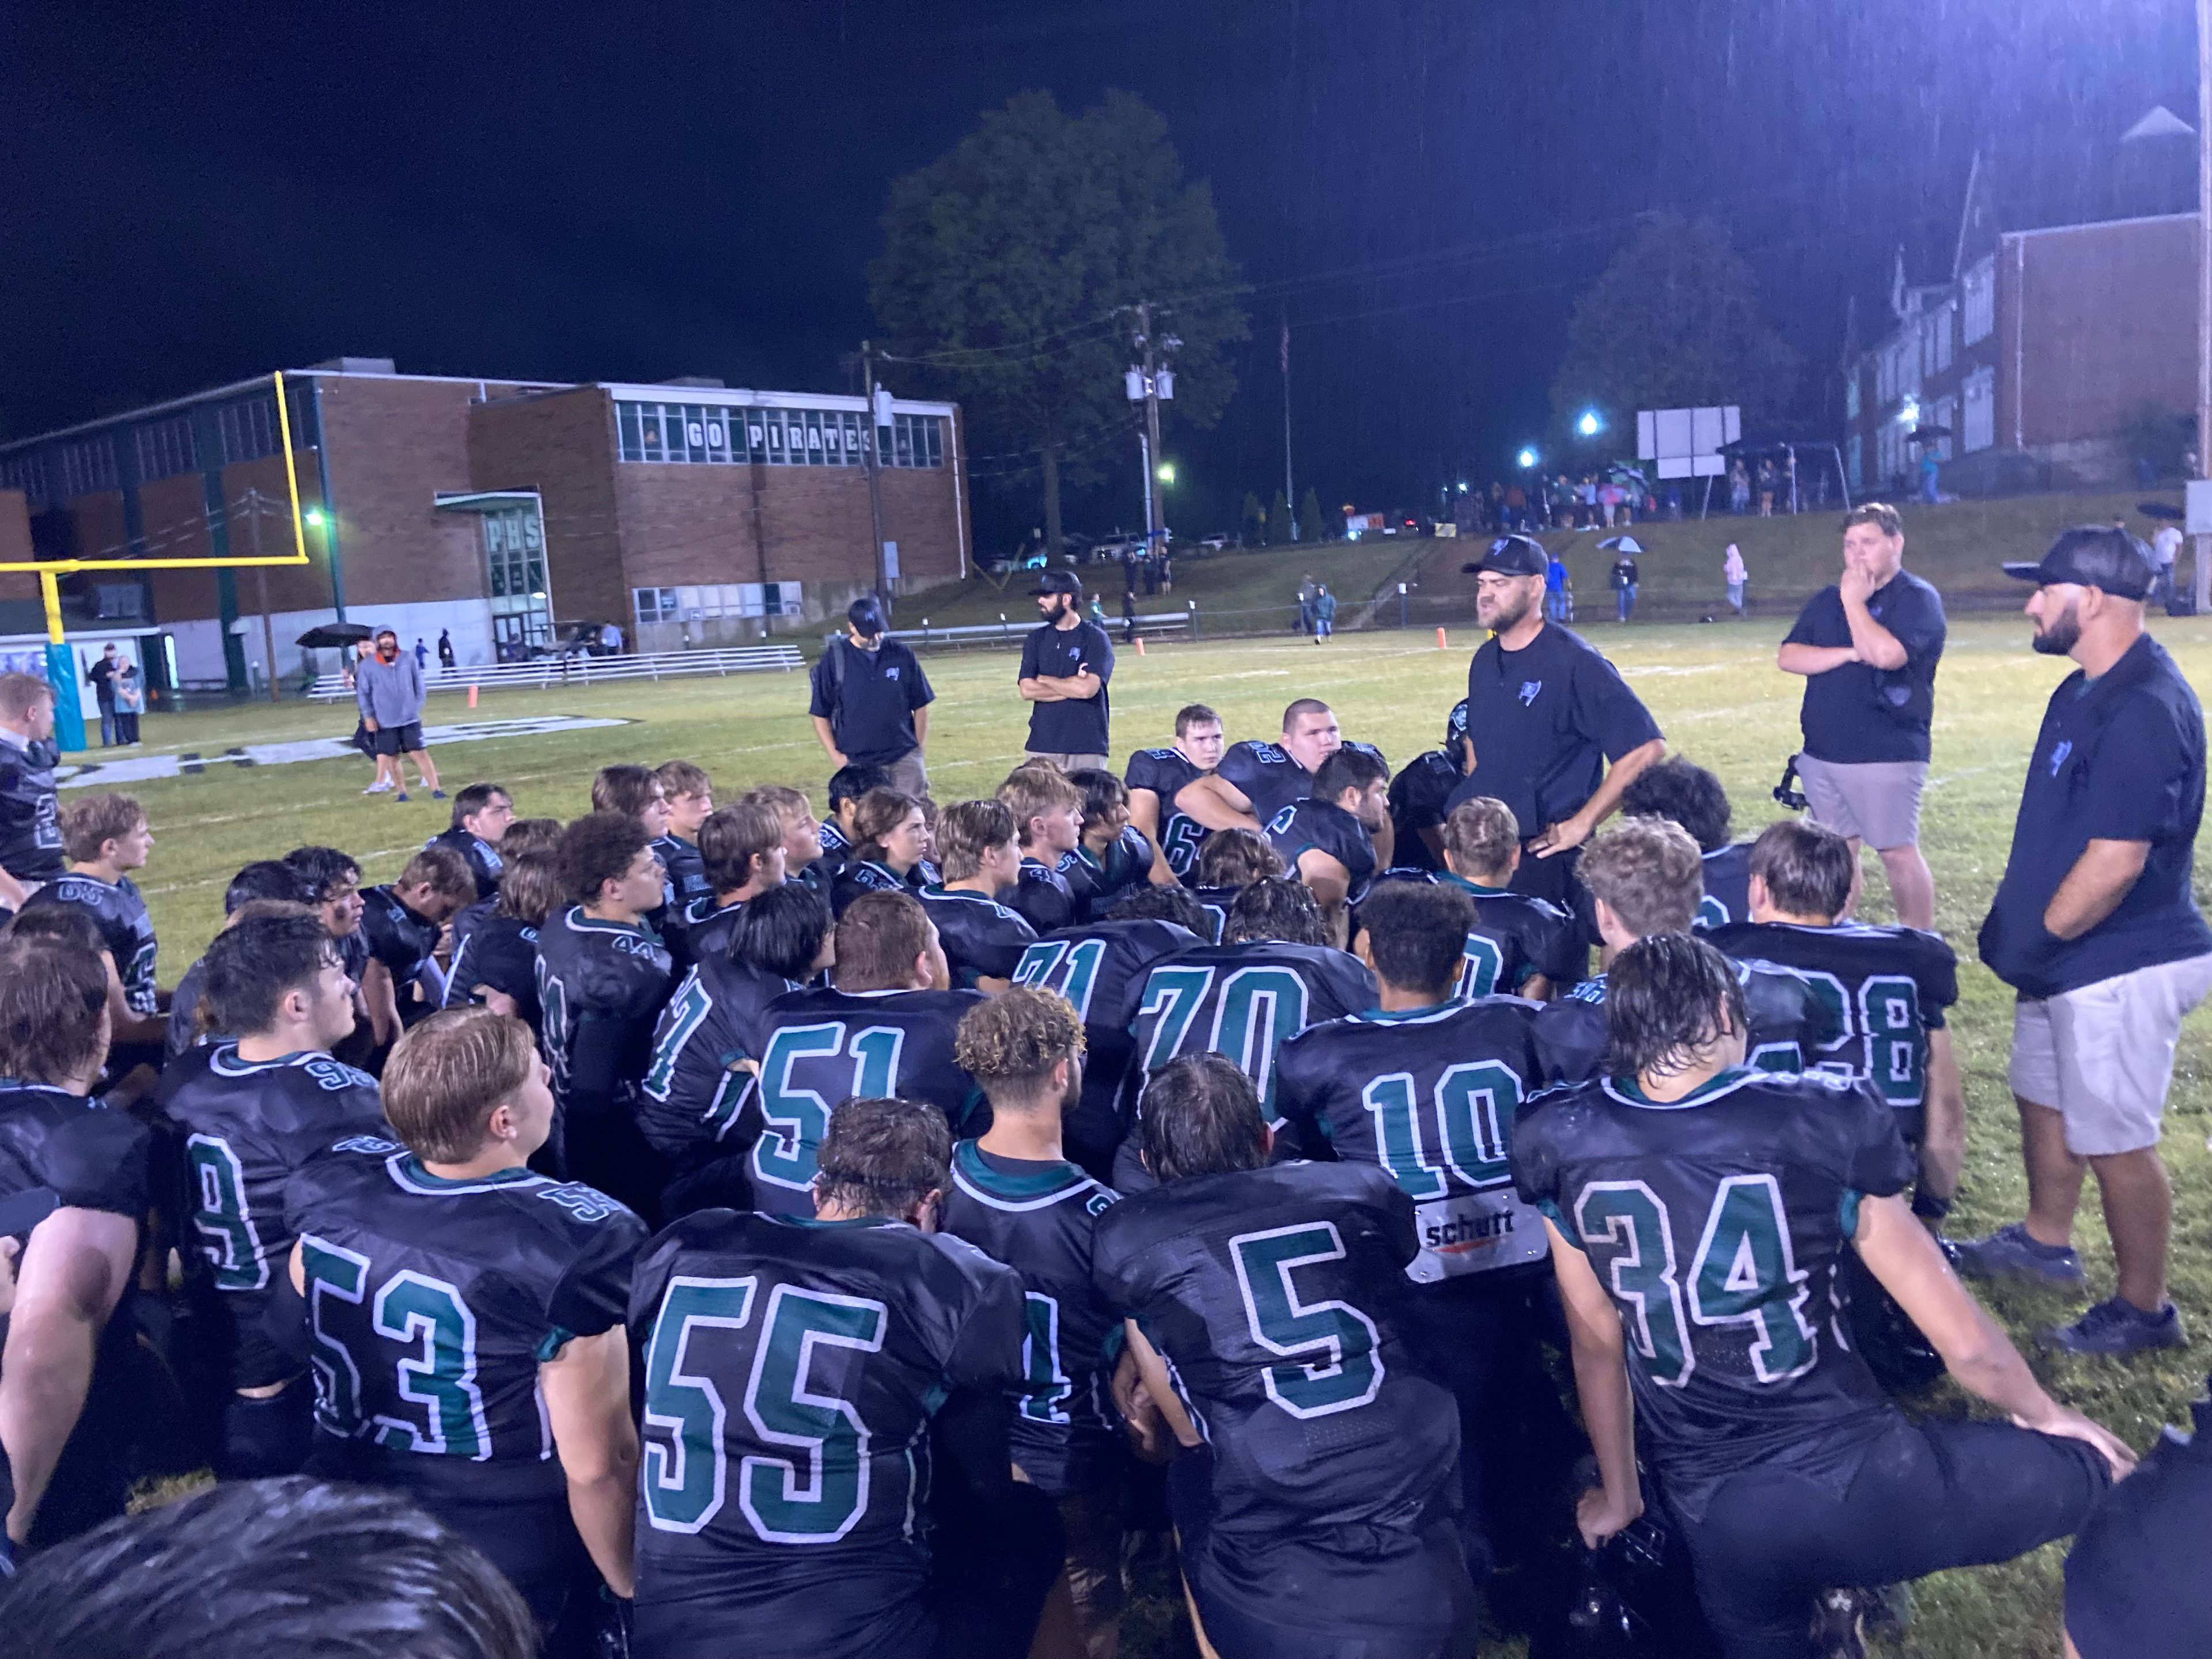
(2101, 1055)
(1069, 762)
(1877, 802)
(909, 775)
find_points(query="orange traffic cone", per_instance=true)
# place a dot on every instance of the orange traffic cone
(1141, 645)
(472, 690)
(1441, 644)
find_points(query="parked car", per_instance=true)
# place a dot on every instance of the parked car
(1219, 542)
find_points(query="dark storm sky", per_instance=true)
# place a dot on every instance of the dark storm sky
(194, 193)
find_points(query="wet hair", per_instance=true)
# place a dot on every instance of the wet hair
(443, 870)
(879, 938)
(1648, 872)
(1416, 932)
(731, 837)
(1275, 908)
(1683, 793)
(446, 1074)
(91, 822)
(781, 931)
(1807, 866)
(599, 849)
(1009, 1042)
(20, 693)
(531, 887)
(1034, 792)
(883, 1156)
(473, 799)
(326, 869)
(1104, 794)
(630, 790)
(1881, 514)
(880, 812)
(682, 777)
(850, 782)
(66, 924)
(1665, 997)
(1200, 1115)
(253, 964)
(1237, 858)
(529, 835)
(1177, 904)
(267, 878)
(1346, 769)
(1194, 713)
(52, 996)
(1482, 834)
(966, 831)
(270, 1570)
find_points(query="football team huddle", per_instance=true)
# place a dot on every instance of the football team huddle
(904, 1230)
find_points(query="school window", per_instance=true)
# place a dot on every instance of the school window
(710, 601)
(1854, 459)
(1980, 316)
(1978, 425)
(1851, 393)
(697, 434)
(165, 449)
(249, 430)
(28, 474)
(88, 467)
(1943, 337)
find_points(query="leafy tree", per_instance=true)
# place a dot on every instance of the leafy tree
(1310, 524)
(1279, 520)
(1674, 323)
(1256, 520)
(1013, 265)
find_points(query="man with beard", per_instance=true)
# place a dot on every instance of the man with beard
(1558, 734)
(2094, 924)
(1065, 663)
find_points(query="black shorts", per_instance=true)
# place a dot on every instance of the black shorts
(399, 739)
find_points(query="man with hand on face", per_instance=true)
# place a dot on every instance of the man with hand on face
(1557, 735)
(1867, 647)
(1066, 664)
(2095, 926)
(1328, 837)
(1157, 776)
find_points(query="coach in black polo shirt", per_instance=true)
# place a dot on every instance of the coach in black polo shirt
(872, 702)
(2094, 926)
(1065, 667)
(1867, 647)
(1546, 714)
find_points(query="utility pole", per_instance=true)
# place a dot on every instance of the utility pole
(261, 581)
(2203, 289)
(1290, 490)
(875, 461)
(1153, 383)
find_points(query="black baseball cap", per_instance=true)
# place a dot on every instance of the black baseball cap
(1512, 556)
(1057, 581)
(866, 616)
(2090, 556)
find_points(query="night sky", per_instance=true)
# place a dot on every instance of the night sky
(194, 194)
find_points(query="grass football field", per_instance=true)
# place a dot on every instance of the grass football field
(1714, 690)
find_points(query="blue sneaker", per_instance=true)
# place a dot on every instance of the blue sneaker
(437, 794)
(2009, 1253)
(402, 795)
(2116, 1329)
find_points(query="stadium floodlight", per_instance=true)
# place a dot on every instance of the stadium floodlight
(1463, 486)
(1526, 459)
(1590, 425)
(1166, 471)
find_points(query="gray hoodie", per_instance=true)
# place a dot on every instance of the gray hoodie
(389, 693)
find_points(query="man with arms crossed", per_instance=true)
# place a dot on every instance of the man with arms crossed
(1256, 780)
(2094, 924)
(1156, 777)
(1066, 664)
(1867, 647)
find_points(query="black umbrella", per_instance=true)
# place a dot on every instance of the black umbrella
(2160, 510)
(329, 636)
(1927, 430)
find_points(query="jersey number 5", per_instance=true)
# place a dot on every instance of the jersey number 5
(1329, 1348)
(796, 1118)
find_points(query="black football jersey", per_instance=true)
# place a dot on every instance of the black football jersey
(1789, 1024)
(399, 939)
(1513, 937)
(184, 1010)
(1885, 987)
(701, 929)
(1718, 1223)
(30, 812)
(1728, 886)
(1323, 826)
(1038, 1218)
(1265, 775)
(432, 1303)
(788, 1371)
(858, 876)
(468, 919)
(600, 986)
(1278, 1297)
(500, 952)
(1165, 772)
(820, 1049)
(1042, 896)
(983, 939)
(686, 869)
(247, 1127)
(690, 1099)
(1428, 1095)
(1418, 795)
(1243, 1002)
(1100, 881)
(1101, 969)
(483, 859)
(1215, 902)
(126, 928)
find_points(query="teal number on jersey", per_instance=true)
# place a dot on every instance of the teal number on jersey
(1180, 843)
(1746, 1274)
(1460, 1132)
(1712, 913)
(1896, 1040)
(1262, 1008)
(1171, 998)
(427, 1316)
(1069, 968)
(1480, 967)
(227, 1239)
(821, 1491)
(1048, 1388)
(796, 1118)
(553, 1009)
(1329, 1347)
(687, 1010)
(684, 1481)
(333, 1273)
(1628, 1216)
